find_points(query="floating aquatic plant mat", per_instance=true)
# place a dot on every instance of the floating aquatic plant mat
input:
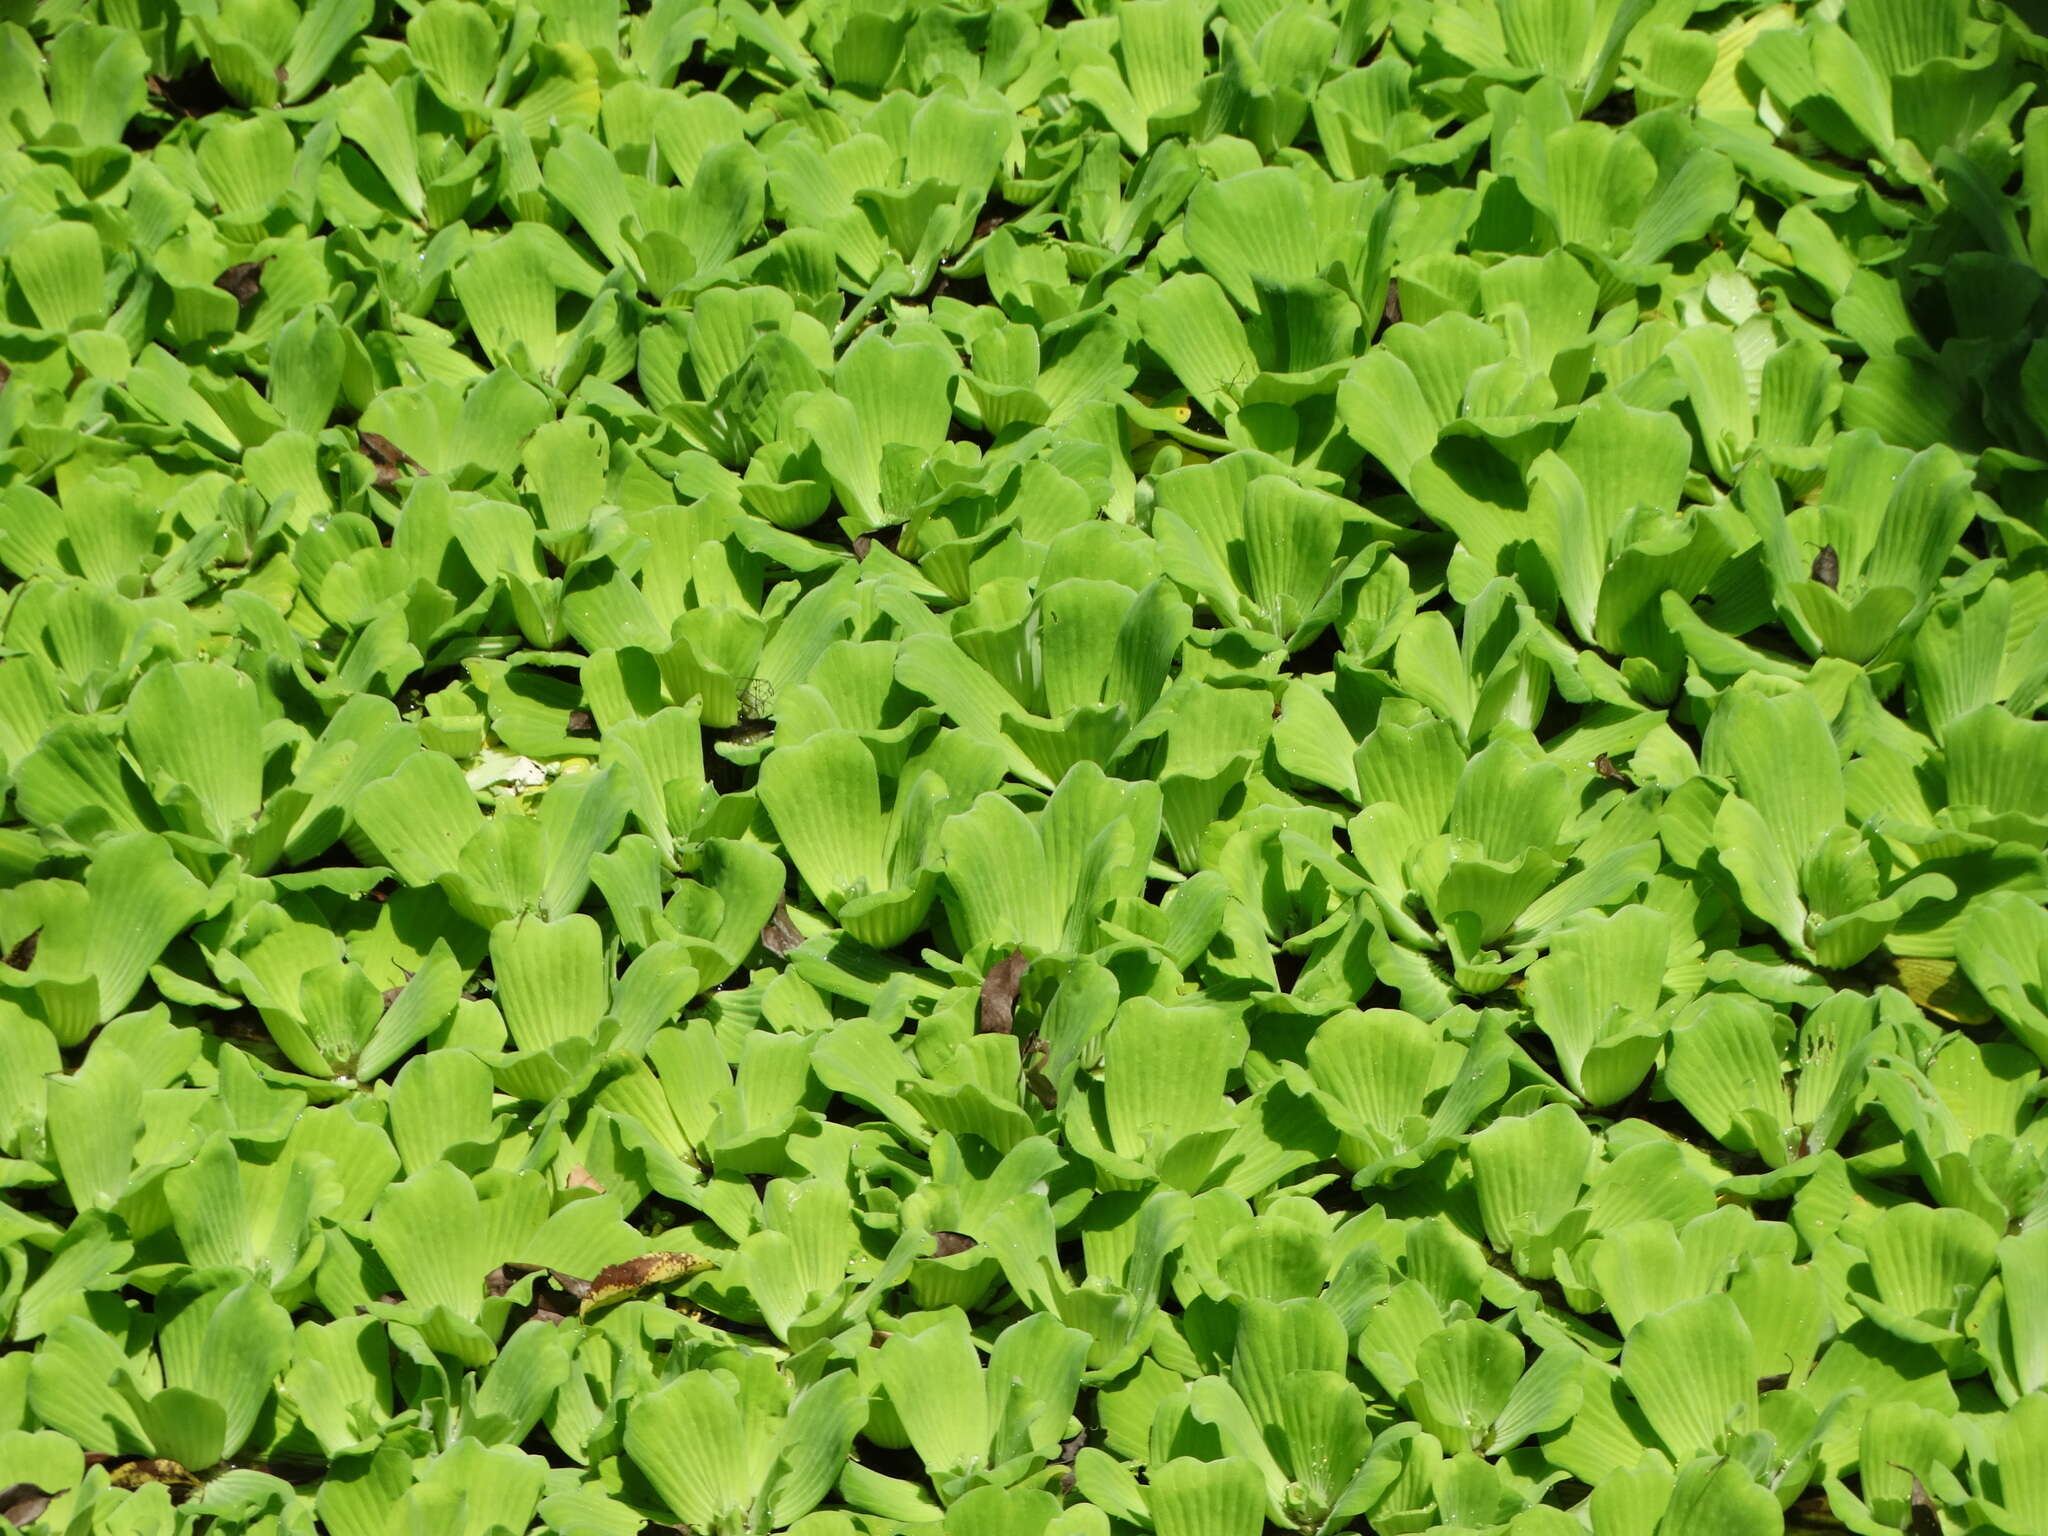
(1023, 770)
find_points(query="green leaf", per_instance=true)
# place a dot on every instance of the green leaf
(1691, 1371)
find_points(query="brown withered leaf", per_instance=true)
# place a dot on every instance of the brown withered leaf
(244, 280)
(617, 1282)
(1069, 1449)
(999, 992)
(581, 723)
(506, 1275)
(1923, 1517)
(144, 1470)
(579, 1178)
(946, 1244)
(1390, 312)
(6, 373)
(386, 455)
(886, 537)
(23, 955)
(22, 1504)
(555, 1296)
(568, 1284)
(1036, 1054)
(1827, 567)
(1604, 766)
(780, 936)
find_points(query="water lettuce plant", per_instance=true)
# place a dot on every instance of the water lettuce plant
(1196, 767)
